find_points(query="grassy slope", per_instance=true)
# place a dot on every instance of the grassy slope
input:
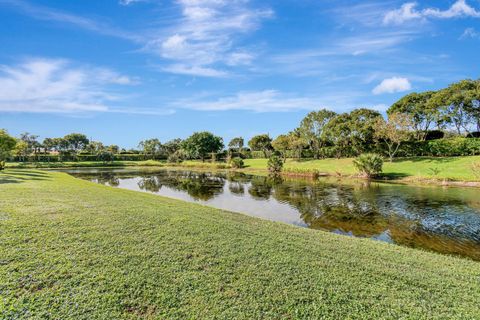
(74, 249)
(455, 168)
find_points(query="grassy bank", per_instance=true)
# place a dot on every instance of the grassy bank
(97, 164)
(74, 249)
(453, 168)
(434, 170)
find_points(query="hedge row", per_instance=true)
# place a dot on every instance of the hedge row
(442, 148)
(80, 157)
(433, 148)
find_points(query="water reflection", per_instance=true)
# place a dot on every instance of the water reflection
(432, 218)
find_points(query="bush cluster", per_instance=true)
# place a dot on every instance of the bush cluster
(237, 163)
(369, 165)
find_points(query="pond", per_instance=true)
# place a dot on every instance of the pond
(445, 220)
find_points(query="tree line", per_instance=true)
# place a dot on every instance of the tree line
(447, 115)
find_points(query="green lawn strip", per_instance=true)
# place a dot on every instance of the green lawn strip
(74, 249)
(407, 169)
(82, 164)
(99, 164)
(453, 168)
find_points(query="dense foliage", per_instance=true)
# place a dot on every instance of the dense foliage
(7, 143)
(200, 144)
(369, 165)
(275, 164)
(432, 123)
(237, 163)
(261, 142)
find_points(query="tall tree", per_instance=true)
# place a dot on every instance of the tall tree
(282, 144)
(473, 108)
(151, 148)
(94, 147)
(422, 112)
(113, 148)
(172, 146)
(362, 135)
(22, 150)
(49, 144)
(31, 142)
(7, 144)
(236, 144)
(261, 142)
(312, 129)
(76, 141)
(200, 144)
(394, 131)
(297, 143)
(459, 105)
(338, 132)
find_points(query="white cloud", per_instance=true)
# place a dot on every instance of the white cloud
(392, 85)
(129, 2)
(408, 12)
(55, 86)
(48, 14)
(195, 71)
(458, 9)
(259, 101)
(204, 36)
(470, 33)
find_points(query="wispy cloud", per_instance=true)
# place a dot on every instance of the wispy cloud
(48, 14)
(57, 86)
(130, 2)
(276, 101)
(408, 12)
(340, 54)
(470, 33)
(203, 38)
(392, 85)
(258, 101)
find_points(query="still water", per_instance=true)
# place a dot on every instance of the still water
(445, 220)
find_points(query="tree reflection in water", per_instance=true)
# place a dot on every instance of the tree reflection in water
(442, 220)
(200, 186)
(108, 178)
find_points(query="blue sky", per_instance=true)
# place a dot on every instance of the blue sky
(123, 71)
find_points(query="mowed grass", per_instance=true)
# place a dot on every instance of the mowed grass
(452, 168)
(84, 164)
(97, 164)
(71, 249)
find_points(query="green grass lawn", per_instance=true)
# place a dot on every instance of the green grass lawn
(82, 164)
(94, 164)
(73, 249)
(410, 169)
(453, 168)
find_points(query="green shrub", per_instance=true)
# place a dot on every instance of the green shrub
(237, 163)
(275, 164)
(369, 165)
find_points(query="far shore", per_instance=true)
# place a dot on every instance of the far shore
(452, 171)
